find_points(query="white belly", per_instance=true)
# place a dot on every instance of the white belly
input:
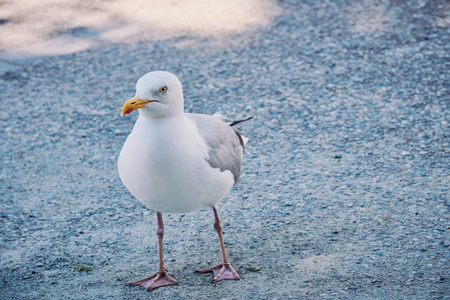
(165, 169)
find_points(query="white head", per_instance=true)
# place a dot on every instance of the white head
(158, 95)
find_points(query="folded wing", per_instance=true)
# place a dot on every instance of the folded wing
(226, 146)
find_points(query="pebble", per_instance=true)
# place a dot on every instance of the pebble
(350, 134)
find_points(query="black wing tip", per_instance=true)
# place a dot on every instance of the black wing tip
(240, 121)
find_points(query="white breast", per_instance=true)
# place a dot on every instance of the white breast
(162, 163)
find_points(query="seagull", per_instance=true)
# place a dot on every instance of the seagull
(177, 162)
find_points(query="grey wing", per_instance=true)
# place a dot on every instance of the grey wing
(224, 142)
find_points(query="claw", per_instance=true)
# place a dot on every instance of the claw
(161, 278)
(222, 272)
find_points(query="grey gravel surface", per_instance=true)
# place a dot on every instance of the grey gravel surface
(345, 187)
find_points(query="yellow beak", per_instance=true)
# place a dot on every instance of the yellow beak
(133, 104)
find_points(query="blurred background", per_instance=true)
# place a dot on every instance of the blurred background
(52, 27)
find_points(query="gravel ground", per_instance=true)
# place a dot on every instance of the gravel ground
(345, 188)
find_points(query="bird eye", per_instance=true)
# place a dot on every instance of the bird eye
(163, 90)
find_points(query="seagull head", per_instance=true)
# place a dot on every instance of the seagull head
(158, 95)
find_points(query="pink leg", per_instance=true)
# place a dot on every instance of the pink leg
(224, 270)
(161, 278)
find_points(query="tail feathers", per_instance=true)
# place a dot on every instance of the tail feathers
(240, 121)
(242, 138)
